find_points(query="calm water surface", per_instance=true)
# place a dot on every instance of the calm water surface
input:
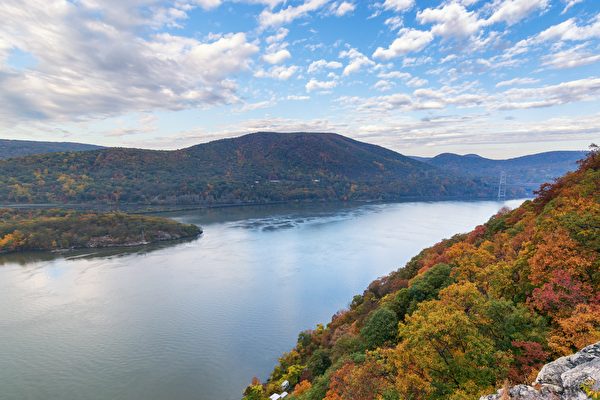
(198, 320)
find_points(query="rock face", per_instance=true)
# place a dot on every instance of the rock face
(562, 379)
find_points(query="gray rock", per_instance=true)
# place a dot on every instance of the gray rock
(521, 392)
(561, 379)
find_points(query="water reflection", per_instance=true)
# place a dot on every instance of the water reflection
(27, 258)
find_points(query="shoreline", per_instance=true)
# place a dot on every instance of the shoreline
(139, 209)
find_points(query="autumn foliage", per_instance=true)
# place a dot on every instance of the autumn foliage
(471, 313)
(53, 229)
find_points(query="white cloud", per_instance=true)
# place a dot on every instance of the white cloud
(466, 96)
(513, 11)
(394, 22)
(409, 40)
(88, 66)
(314, 84)
(268, 18)
(344, 8)
(394, 75)
(207, 4)
(297, 97)
(569, 4)
(318, 65)
(573, 57)
(448, 58)
(416, 82)
(280, 72)
(278, 36)
(256, 106)
(551, 95)
(277, 57)
(377, 104)
(398, 5)
(450, 20)
(357, 61)
(517, 81)
(383, 85)
(569, 30)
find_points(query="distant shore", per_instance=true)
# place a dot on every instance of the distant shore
(136, 208)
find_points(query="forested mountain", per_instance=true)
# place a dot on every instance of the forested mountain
(22, 230)
(20, 148)
(527, 172)
(259, 167)
(468, 314)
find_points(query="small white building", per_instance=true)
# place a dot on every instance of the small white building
(285, 385)
(283, 395)
(274, 396)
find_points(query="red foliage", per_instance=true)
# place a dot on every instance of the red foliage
(560, 294)
(529, 358)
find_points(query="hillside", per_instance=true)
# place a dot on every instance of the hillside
(256, 168)
(468, 314)
(21, 148)
(22, 230)
(527, 172)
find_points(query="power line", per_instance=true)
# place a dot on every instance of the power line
(502, 186)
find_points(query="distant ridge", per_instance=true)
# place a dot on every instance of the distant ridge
(19, 148)
(527, 172)
(261, 167)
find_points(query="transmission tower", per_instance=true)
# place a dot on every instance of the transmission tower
(502, 186)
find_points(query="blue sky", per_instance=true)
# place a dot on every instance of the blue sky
(498, 77)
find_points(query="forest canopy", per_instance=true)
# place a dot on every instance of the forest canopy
(23, 230)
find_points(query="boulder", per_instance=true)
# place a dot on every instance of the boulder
(562, 379)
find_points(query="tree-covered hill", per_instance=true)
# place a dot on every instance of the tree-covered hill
(20, 148)
(527, 172)
(467, 315)
(23, 230)
(256, 168)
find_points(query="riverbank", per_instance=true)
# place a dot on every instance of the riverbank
(56, 229)
(136, 208)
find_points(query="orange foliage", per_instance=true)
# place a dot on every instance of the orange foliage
(557, 250)
(577, 331)
(359, 381)
(302, 387)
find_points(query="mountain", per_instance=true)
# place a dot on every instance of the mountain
(20, 148)
(255, 168)
(527, 172)
(468, 315)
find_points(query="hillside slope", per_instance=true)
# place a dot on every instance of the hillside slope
(467, 314)
(20, 148)
(256, 168)
(527, 172)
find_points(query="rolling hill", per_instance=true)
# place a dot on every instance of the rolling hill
(255, 168)
(20, 148)
(527, 172)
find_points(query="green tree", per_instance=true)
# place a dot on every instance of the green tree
(381, 328)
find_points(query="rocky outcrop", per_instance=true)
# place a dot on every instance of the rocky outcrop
(567, 378)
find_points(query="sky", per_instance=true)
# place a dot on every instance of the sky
(499, 78)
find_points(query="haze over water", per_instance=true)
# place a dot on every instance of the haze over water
(200, 319)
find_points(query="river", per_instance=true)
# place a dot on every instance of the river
(199, 319)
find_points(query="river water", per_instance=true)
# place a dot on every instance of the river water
(199, 319)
